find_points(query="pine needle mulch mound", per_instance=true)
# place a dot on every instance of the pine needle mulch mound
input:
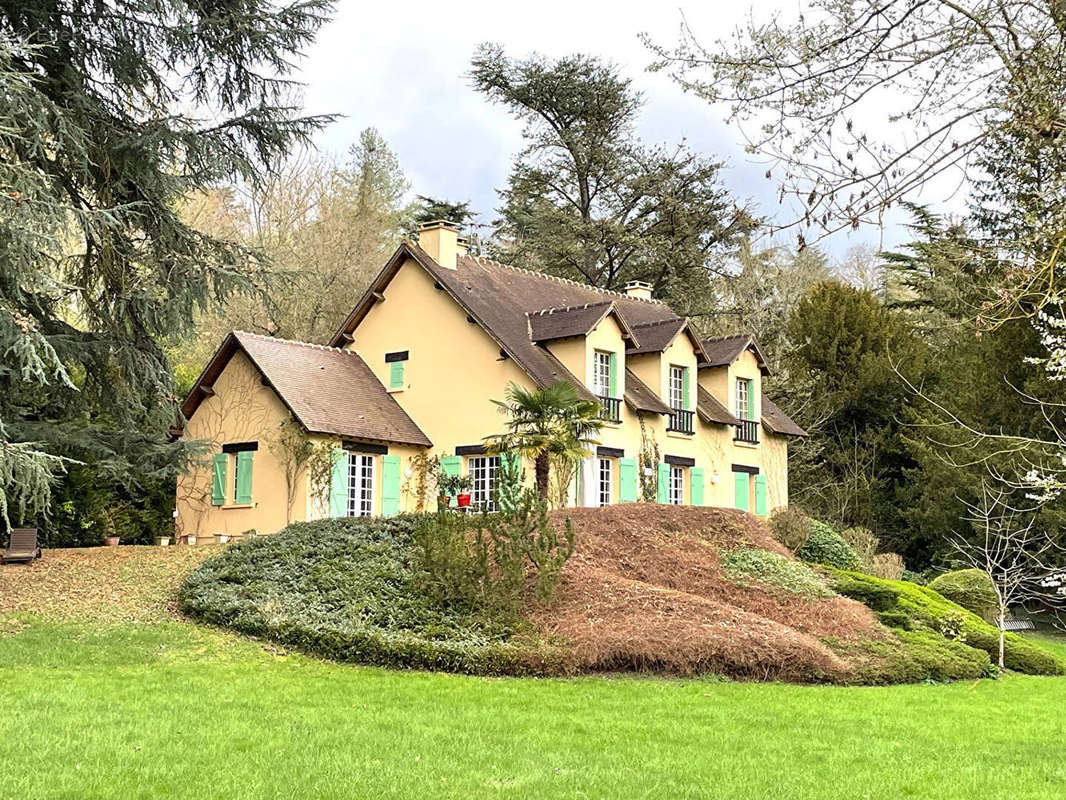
(645, 590)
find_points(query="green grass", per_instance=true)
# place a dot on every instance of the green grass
(172, 710)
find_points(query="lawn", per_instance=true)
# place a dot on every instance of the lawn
(135, 709)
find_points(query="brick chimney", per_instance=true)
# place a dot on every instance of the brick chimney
(639, 290)
(440, 239)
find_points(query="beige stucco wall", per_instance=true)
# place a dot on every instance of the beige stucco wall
(241, 410)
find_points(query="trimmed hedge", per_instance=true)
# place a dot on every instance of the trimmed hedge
(342, 589)
(825, 546)
(929, 612)
(970, 588)
(911, 657)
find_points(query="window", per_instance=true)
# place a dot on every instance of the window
(606, 482)
(482, 471)
(236, 475)
(677, 485)
(396, 363)
(677, 387)
(360, 485)
(601, 373)
(743, 398)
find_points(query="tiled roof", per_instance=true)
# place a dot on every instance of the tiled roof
(640, 397)
(499, 297)
(778, 421)
(549, 324)
(654, 337)
(711, 411)
(725, 350)
(328, 390)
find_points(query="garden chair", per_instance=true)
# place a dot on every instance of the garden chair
(22, 546)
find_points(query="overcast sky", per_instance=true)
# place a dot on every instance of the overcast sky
(400, 67)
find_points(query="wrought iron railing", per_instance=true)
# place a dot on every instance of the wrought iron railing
(680, 421)
(610, 408)
(747, 431)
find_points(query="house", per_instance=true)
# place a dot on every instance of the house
(413, 372)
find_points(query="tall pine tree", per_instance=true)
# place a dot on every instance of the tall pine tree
(109, 113)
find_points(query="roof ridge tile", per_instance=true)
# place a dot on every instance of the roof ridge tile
(312, 345)
(558, 279)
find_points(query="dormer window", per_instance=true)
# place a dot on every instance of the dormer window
(601, 374)
(677, 387)
(744, 398)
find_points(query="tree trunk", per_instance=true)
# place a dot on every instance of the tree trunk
(541, 467)
(1002, 635)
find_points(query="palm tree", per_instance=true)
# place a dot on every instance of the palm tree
(546, 422)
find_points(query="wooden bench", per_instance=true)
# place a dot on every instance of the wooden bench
(1018, 625)
(22, 546)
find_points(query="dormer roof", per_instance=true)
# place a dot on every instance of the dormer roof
(550, 324)
(723, 351)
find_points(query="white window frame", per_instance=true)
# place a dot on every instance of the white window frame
(676, 387)
(482, 471)
(676, 494)
(601, 373)
(743, 398)
(362, 477)
(605, 482)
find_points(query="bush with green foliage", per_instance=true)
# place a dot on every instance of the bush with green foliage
(790, 526)
(911, 656)
(345, 589)
(749, 563)
(930, 612)
(482, 562)
(826, 546)
(970, 588)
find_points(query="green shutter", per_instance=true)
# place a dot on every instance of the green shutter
(751, 399)
(614, 374)
(338, 483)
(685, 402)
(451, 465)
(695, 495)
(627, 480)
(662, 494)
(396, 375)
(740, 481)
(244, 476)
(390, 486)
(218, 480)
(760, 495)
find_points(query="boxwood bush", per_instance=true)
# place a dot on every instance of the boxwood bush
(342, 589)
(932, 613)
(825, 546)
(970, 588)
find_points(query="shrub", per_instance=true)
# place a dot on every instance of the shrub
(864, 543)
(826, 546)
(932, 613)
(790, 526)
(896, 619)
(343, 589)
(887, 565)
(970, 588)
(774, 569)
(910, 657)
(914, 577)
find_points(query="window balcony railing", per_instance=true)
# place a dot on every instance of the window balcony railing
(610, 408)
(747, 431)
(680, 421)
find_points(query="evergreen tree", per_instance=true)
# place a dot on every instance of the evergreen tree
(109, 114)
(587, 200)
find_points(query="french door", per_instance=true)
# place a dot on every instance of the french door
(360, 485)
